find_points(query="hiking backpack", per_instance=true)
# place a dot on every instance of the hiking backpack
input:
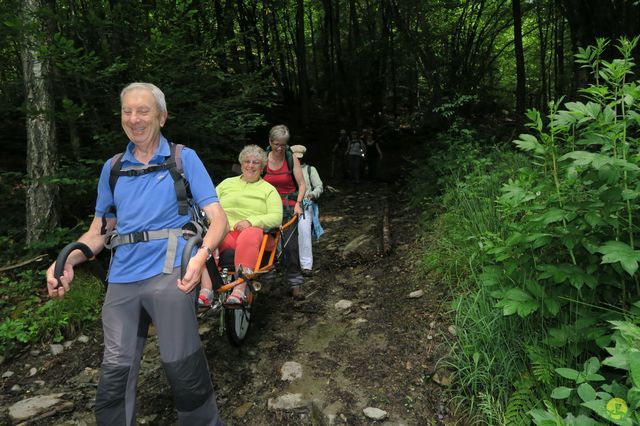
(173, 164)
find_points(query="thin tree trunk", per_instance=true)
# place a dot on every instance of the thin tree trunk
(284, 73)
(520, 73)
(338, 58)
(41, 201)
(543, 36)
(354, 61)
(245, 28)
(327, 51)
(301, 56)
(559, 53)
(312, 33)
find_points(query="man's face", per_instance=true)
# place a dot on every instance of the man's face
(141, 119)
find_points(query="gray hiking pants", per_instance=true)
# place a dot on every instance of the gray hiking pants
(126, 314)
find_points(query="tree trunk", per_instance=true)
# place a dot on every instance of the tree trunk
(341, 74)
(41, 201)
(245, 29)
(543, 35)
(312, 33)
(355, 73)
(328, 52)
(301, 56)
(284, 73)
(588, 20)
(520, 75)
(559, 78)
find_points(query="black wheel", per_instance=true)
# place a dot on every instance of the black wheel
(237, 322)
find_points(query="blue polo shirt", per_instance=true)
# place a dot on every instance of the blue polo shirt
(148, 202)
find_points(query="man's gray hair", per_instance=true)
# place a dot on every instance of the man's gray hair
(161, 104)
(279, 132)
(253, 151)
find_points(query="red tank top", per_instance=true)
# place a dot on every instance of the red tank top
(282, 180)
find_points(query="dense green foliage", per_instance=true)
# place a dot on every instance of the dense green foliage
(550, 280)
(30, 317)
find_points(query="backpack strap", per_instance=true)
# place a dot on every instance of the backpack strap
(116, 165)
(114, 240)
(288, 154)
(173, 164)
(180, 183)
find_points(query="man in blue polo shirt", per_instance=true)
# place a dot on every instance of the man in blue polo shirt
(144, 282)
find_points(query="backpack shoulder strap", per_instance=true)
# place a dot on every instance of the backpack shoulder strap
(289, 157)
(173, 164)
(180, 183)
(264, 169)
(116, 166)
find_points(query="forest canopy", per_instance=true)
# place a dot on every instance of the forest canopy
(225, 65)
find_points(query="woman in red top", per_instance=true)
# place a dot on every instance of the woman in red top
(277, 173)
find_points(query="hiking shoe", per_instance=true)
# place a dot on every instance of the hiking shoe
(307, 273)
(297, 293)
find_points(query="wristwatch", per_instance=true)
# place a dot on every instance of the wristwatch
(209, 252)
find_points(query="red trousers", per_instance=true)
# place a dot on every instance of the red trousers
(246, 244)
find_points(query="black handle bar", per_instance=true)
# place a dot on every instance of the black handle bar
(64, 254)
(195, 240)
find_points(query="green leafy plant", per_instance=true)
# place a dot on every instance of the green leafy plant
(551, 241)
(571, 246)
(32, 319)
(616, 400)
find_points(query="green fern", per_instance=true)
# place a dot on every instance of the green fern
(521, 401)
(489, 407)
(542, 365)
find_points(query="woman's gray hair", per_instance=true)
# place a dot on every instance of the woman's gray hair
(253, 151)
(161, 104)
(279, 132)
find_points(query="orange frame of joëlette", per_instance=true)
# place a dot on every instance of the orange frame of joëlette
(268, 240)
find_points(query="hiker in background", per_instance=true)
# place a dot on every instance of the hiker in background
(252, 205)
(144, 276)
(284, 172)
(309, 223)
(338, 157)
(356, 152)
(373, 153)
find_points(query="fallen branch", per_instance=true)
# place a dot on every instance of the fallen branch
(21, 264)
(62, 408)
(386, 231)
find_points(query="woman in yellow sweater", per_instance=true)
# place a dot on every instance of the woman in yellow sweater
(252, 205)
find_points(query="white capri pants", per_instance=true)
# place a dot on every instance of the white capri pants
(304, 239)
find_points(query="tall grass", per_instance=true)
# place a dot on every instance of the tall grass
(489, 353)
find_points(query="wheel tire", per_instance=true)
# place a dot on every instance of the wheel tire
(237, 323)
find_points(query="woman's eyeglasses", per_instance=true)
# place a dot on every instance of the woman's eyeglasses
(254, 162)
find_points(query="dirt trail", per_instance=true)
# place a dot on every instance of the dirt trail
(381, 352)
